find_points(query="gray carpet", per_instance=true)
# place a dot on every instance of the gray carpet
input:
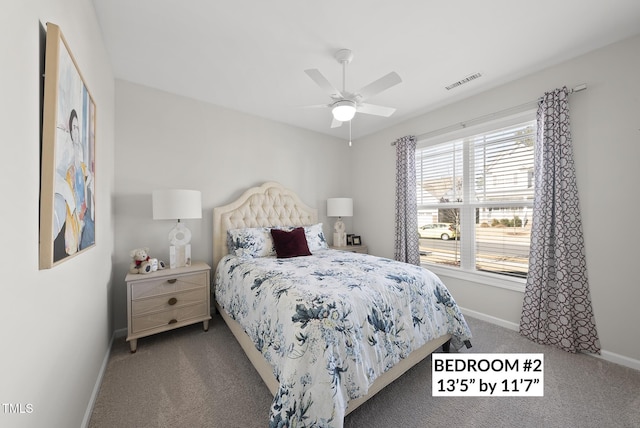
(191, 378)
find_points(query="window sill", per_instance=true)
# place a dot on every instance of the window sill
(492, 280)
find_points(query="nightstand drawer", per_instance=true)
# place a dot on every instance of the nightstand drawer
(168, 285)
(168, 301)
(167, 318)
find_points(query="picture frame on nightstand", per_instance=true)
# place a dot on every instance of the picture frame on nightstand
(356, 240)
(350, 239)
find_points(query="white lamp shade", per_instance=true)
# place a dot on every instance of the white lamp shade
(176, 204)
(344, 110)
(339, 207)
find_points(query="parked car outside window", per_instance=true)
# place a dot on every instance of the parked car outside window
(442, 231)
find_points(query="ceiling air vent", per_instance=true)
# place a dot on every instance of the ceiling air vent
(463, 81)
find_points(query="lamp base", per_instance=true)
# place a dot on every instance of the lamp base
(339, 236)
(340, 239)
(180, 235)
(180, 249)
(179, 256)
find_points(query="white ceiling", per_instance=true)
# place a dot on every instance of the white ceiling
(249, 55)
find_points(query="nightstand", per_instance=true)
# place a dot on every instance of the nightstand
(167, 299)
(352, 248)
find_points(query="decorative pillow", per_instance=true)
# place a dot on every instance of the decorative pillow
(315, 237)
(291, 243)
(250, 242)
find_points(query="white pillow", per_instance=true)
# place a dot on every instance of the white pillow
(251, 242)
(315, 237)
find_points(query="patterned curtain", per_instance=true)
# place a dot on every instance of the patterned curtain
(557, 304)
(407, 245)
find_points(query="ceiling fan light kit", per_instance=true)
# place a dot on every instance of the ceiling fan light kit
(344, 110)
(344, 105)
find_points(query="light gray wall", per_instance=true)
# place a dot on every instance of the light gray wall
(167, 141)
(55, 323)
(605, 123)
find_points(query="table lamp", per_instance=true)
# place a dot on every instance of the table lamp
(339, 207)
(178, 205)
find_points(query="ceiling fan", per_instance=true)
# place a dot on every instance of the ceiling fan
(344, 105)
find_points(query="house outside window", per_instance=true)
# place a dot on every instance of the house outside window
(475, 197)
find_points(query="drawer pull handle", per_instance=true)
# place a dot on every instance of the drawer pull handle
(171, 281)
(172, 301)
(173, 321)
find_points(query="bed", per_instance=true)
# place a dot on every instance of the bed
(325, 329)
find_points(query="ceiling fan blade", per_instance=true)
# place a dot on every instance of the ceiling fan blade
(335, 123)
(380, 85)
(322, 81)
(374, 109)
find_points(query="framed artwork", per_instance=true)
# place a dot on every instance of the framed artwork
(357, 240)
(350, 239)
(67, 179)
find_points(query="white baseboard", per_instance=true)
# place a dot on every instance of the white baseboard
(488, 318)
(96, 387)
(604, 355)
(618, 359)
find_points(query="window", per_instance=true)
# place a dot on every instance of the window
(475, 197)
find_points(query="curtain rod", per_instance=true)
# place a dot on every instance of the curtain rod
(489, 116)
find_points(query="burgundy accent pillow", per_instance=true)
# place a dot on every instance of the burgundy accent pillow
(290, 243)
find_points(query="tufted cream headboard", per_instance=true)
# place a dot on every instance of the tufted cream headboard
(267, 205)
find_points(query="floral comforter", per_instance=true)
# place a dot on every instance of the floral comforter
(331, 323)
